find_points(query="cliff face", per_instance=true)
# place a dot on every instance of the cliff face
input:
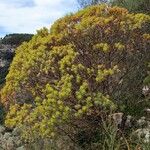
(8, 45)
(6, 55)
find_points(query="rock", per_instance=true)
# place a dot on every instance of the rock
(141, 121)
(18, 141)
(148, 124)
(1, 136)
(10, 139)
(146, 90)
(147, 111)
(128, 122)
(143, 134)
(21, 148)
(15, 131)
(147, 137)
(117, 118)
(10, 143)
(7, 135)
(2, 129)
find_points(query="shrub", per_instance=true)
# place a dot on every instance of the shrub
(86, 65)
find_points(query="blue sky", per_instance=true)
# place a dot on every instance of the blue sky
(26, 16)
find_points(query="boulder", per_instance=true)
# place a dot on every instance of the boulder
(2, 129)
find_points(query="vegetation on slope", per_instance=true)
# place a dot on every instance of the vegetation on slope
(67, 79)
(7, 52)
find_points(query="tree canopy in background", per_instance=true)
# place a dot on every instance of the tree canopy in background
(84, 3)
(16, 39)
(137, 6)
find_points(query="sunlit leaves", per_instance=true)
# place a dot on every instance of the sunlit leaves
(75, 69)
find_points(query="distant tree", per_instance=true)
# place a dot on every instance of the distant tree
(85, 3)
(137, 6)
(16, 39)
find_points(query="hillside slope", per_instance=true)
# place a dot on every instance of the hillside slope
(8, 45)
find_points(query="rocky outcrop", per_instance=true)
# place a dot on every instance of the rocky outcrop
(10, 140)
(6, 56)
(141, 126)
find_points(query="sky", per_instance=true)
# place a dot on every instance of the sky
(27, 16)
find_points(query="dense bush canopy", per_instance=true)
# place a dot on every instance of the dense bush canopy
(88, 62)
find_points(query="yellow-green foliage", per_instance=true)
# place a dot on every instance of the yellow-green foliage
(72, 69)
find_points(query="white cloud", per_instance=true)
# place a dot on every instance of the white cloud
(26, 16)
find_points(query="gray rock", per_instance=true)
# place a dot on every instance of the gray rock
(117, 118)
(15, 131)
(1, 136)
(10, 143)
(7, 135)
(2, 129)
(141, 121)
(18, 142)
(21, 148)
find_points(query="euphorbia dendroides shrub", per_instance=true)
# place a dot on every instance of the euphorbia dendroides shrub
(88, 63)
